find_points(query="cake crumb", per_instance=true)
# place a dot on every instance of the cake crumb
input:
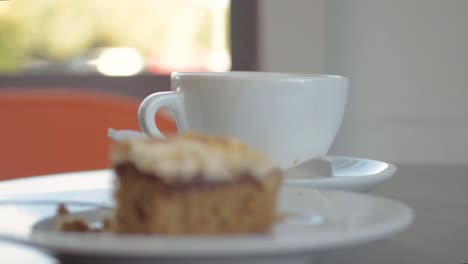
(67, 223)
(74, 225)
(62, 210)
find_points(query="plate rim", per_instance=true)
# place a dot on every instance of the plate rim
(295, 245)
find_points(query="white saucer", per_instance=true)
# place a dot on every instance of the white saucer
(317, 222)
(350, 174)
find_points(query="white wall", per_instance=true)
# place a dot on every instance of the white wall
(291, 35)
(408, 65)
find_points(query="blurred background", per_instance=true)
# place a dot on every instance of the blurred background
(69, 70)
(47, 39)
(406, 61)
(153, 36)
(408, 67)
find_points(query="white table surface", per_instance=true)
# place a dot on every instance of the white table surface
(438, 194)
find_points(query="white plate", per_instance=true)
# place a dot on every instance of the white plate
(350, 174)
(316, 222)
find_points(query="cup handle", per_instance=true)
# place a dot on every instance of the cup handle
(151, 104)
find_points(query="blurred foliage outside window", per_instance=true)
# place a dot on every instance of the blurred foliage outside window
(112, 36)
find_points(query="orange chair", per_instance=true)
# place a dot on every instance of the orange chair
(53, 131)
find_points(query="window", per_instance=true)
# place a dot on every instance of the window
(194, 35)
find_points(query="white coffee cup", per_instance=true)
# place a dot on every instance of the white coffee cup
(289, 117)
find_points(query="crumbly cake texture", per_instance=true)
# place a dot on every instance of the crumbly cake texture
(193, 184)
(69, 223)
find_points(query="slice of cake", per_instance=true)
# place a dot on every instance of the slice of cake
(192, 184)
